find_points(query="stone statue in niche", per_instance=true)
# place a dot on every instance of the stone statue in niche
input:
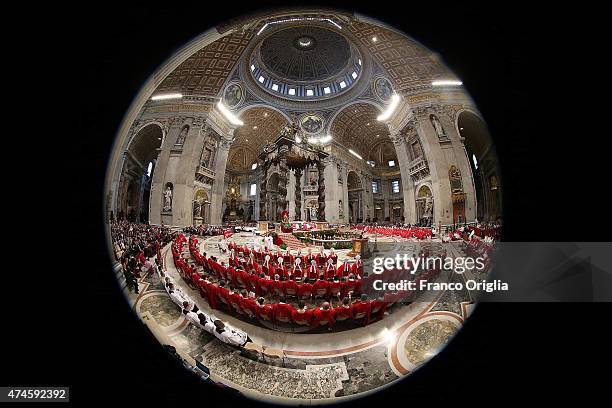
(182, 136)
(340, 209)
(437, 126)
(428, 212)
(197, 208)
(168, 198)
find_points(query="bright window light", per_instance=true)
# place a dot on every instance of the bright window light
(359, 61)
(254, 166)
(390, 109)
(150, 167)
(354, 75)
(309, 92)
(166, 96)
(252, 67)
(395, 186)
(375, 187)
(391, 163)
(233, 119)
(342, 85)
(475, 161)
(261, 79)
(275, 87)
(446, 83)
(354, 153)
(291, 91)
(326, 90)
(253, 189)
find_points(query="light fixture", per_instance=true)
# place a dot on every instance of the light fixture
(395, 98)
(254, 127)
(374, 39)
(265, 114)
(354, 153)
(162, 97)
(446, 83)
(286, 20)
(233, 119)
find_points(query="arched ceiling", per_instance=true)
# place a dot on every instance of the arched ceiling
(382, 153)
(261, 125)
(145, 144)
(408, 64)
(356, 128)
(474, 130)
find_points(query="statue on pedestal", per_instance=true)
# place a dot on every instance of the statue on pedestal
(168, 198)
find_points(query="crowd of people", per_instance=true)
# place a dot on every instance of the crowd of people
(134, 244)
(400, 231)
(204, 230)
(285, 290)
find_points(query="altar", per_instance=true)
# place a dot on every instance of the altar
(291, 151)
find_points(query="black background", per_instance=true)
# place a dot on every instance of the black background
(68, 322)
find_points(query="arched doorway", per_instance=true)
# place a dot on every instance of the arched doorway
(133, 200)
(272, 197)
(201, 207)
(483, 162)
(355, 197)
(424, 206)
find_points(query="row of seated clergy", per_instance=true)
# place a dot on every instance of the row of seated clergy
(263, 285)
(222, 331)
(404, 232)
(288, 258)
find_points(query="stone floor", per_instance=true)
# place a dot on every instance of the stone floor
(318, 368)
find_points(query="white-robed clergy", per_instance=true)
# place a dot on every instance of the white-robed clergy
(226, 333)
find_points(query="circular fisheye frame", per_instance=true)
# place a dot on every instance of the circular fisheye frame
(296, 204)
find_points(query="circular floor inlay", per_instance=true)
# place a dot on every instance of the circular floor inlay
(161, 308)
(427, 339)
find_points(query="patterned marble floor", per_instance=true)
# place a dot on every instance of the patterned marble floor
(318, 368)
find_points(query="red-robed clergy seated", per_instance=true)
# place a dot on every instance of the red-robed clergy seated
(302, 315)
(248, 305)
(320, 288)
(305, 290)
(290, 287)
(277, 286)
(234, 298)
(323, 316)
(378, 308)
(223, 295)
(344, 311)
(264, 311)
(362, 309)
(283, 311)
(335, 287)
(264, 285)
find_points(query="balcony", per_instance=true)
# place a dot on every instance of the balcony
(205, 175)
(418, 169)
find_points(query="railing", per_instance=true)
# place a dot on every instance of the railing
(417, 166)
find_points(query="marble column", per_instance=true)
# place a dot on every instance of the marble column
(321, 191)
(282, 186)
(263, 192)
(407, 185)
(216, 206)
(298, 194)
